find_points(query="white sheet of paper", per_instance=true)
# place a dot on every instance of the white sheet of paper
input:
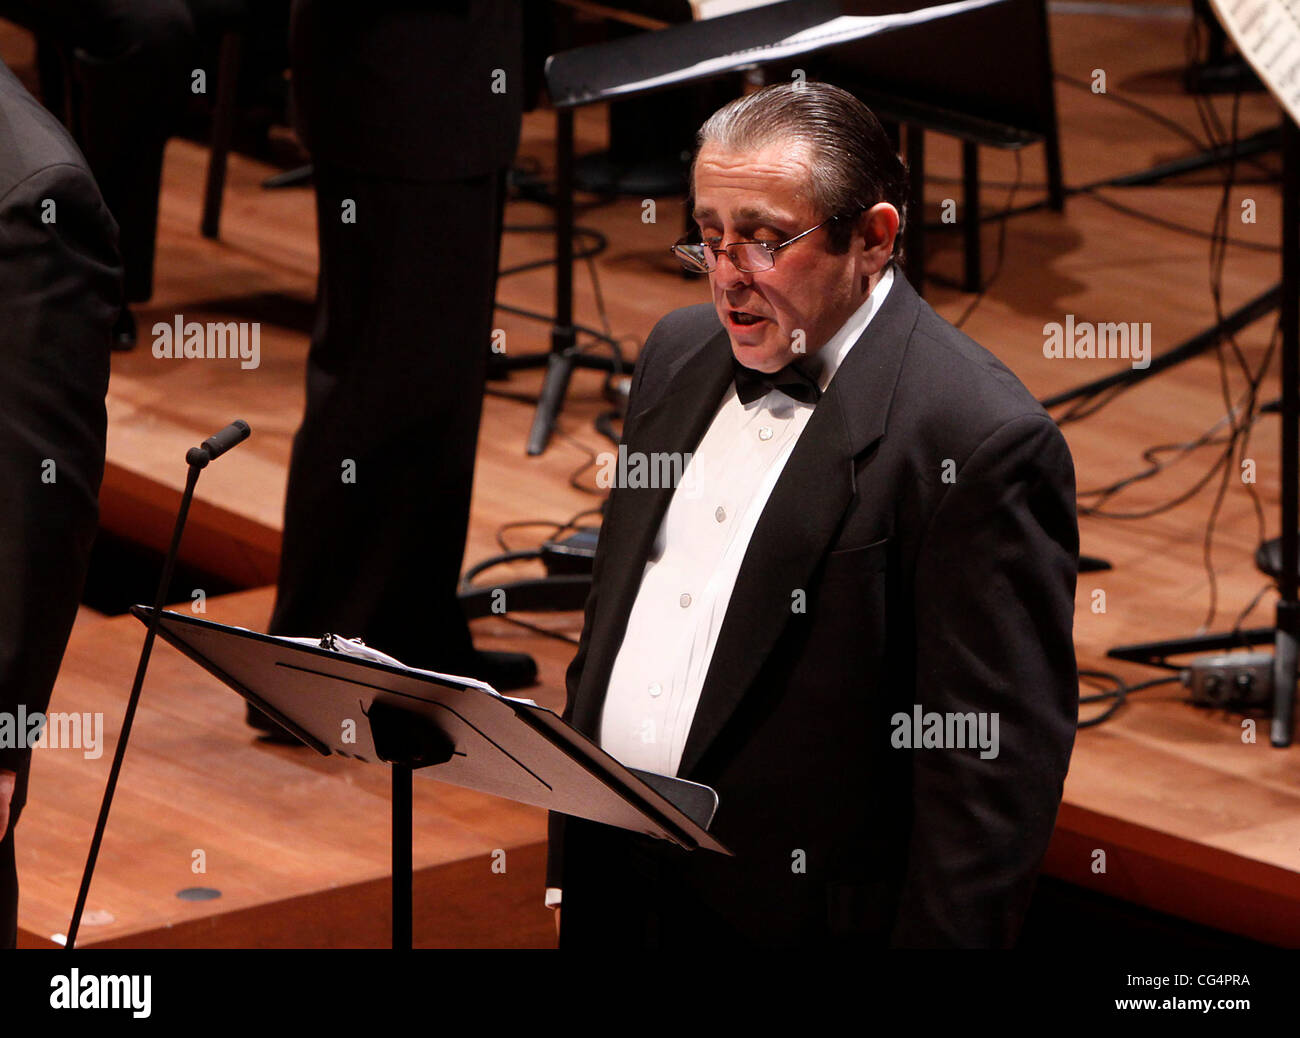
(703, 9)
(843, 29)
(352, 647)
(1267, 32)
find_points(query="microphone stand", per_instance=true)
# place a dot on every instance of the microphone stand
(198, 459)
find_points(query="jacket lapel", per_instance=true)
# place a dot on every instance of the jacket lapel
(674, 423)
(803, 514)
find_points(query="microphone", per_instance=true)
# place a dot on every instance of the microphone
(197, 458)
(218, 443)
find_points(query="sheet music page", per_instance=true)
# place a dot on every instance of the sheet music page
(359, 650)
(843, 29)
(1267, 32)
(702, 9)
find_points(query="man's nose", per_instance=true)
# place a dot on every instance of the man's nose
(730, 274)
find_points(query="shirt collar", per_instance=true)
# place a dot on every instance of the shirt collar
(825, 362)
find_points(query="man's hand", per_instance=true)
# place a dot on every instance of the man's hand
(8, 779)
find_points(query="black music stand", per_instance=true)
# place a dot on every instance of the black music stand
(771, 36)
(412, 719)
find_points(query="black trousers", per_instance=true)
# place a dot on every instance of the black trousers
(383, 463)
(625, 890)
(622, 891)
(130, 63)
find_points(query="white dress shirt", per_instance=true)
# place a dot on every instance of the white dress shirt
(672, 630)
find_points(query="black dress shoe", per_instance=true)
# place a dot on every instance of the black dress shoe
(124, 330)
(502, 670)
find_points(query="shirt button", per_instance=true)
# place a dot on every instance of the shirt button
(684, 601)
(720, 514)
(655, 689)
(765, 433)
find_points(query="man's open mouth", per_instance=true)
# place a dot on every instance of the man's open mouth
(742, 317)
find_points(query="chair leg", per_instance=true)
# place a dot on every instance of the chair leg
(1055, 182)
(970, 177)
(58, 84)
(299, 176)
(914, 230)
(688, 228)
(891, 128)
(223, 124)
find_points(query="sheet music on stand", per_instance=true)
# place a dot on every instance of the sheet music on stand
(821, 24)
(1267, 32)
(703, 9)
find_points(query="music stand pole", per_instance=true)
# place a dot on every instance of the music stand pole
(402, 852)
(560, 362)
(1284, 659)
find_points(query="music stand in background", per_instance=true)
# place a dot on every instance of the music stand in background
(984, 110)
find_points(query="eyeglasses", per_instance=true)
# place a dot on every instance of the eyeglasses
(749, 257)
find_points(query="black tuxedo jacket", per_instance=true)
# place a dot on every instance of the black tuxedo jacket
(926, 524)
(60, 288)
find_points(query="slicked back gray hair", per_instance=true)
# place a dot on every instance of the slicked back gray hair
(854, 164)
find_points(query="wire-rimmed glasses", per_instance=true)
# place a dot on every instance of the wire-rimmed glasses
(749, 257)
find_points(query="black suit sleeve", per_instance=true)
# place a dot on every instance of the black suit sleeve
(995, 584)
(60, 280)
(573, 676)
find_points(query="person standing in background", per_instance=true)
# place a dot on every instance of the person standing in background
(412, 114)
(60, 292)
(129, 63)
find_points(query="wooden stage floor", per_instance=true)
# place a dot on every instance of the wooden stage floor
(1194, 821)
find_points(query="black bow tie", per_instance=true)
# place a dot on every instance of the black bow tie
(751, 384)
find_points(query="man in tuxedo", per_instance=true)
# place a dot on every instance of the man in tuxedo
(853, 617)
(61, 286)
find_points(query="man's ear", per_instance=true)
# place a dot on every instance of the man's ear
(879, 228)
